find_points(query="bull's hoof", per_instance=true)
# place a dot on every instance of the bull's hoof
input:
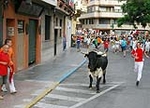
(98, 91)
(90, 87)
(104, 82)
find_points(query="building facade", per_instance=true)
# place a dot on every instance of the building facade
(34, 26)
(55, 23)
(102, 15)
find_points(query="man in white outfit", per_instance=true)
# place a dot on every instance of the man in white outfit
(137, 54)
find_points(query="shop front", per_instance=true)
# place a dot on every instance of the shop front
(22, 24)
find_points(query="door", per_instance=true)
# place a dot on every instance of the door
(55, 41)
(20, 45)
(32, 41)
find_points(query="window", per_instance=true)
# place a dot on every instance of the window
(47, 27)
(102, 9)
(91, 21)
(20, 26)
(56, 22)
(82, 21)
(93, 9)
(104, 21)
(96, 8)
(86, 21)
(60, 23)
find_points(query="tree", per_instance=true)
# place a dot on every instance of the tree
(135, 12)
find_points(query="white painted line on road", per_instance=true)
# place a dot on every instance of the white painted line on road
(95, 96)
(75, 90)
(19, 106)
(44, 105)
(39, 81)
(61, 97)
(86, 85)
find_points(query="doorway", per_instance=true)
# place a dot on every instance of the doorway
(32, 41)
(55, 41)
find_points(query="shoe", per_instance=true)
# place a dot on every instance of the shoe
(3, 88)
(137, 83)
(1, 98)
(13, 92)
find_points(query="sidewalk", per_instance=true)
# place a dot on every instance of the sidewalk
(34, 83)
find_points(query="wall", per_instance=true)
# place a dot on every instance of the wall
(11, 20)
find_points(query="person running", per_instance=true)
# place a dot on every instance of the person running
(106, 44)
(147, 46)
(88, 41)
(4, 64)
(116, 45)
(137, 54)
(123, 46)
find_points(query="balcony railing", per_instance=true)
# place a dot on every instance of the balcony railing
(105, 2)
(109, 27)
(101, 14)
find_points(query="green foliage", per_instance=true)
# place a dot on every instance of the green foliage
(136, 12)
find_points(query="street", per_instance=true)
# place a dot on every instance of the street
(120, 90)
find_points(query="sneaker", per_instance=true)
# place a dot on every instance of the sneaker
(13, 92)
(3, 88)
(1, 98)
(137, 83)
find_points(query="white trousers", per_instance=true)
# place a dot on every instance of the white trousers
(11, 85)
(138, 67)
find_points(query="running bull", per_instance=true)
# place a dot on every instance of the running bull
(97, 65)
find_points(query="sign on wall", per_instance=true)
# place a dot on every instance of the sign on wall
(10, 31)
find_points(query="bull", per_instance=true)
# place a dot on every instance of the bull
(97, 67)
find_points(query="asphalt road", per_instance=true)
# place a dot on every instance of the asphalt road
(119, 91)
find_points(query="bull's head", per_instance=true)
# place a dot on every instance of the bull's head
(92, 56)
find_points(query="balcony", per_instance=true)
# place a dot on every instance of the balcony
(108, 27)
(105, 2)
(101, 15)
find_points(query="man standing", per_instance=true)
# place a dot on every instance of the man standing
(64, 42)
(137, 54)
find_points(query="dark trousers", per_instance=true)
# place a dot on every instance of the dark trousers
(4, 79)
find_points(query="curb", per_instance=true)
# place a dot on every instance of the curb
(54, 85)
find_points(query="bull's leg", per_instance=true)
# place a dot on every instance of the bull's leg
(97, 83)
(91, 81)
(104, 79)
